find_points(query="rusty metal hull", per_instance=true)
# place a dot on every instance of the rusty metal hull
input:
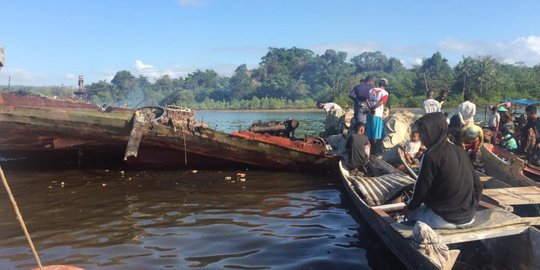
(78, 131)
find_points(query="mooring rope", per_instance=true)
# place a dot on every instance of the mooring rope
(20, 218)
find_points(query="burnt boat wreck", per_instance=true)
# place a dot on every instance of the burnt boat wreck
(39, 129)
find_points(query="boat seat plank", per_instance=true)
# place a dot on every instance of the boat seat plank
(378, 190)
(533, 221)
(489, 223)
(514, 195)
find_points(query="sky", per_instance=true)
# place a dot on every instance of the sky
(52, 42)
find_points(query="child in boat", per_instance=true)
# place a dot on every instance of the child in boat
(357, 149)
(507, 140)
(413, 149)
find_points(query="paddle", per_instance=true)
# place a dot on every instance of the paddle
(23, 226)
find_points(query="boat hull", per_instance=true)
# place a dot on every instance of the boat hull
(505, 166)
(79, 132)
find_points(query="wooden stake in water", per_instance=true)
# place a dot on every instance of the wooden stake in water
(20, 218)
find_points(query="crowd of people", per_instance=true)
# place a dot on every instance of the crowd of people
(447, 190)
(519, 135)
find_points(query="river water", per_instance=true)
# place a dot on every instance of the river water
(111, 219)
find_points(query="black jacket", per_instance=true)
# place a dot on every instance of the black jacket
(447, 183)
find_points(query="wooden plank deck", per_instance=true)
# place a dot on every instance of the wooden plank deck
(490, 223)
(514, 195)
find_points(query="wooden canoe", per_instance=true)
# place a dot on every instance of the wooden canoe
(59, 130)
(507, 167)
(508, 241)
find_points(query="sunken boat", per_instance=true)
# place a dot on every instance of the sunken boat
(498, 239)
(41, 129)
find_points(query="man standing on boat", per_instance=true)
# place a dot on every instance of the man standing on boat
(448, 189)
(430, 104)
(375, 126)
(360, 96)
(466, 110)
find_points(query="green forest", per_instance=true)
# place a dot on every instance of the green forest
(295, 78)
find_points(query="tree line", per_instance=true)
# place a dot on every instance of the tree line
(298, 78)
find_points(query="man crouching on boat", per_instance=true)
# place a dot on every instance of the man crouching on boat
(448, 189)
(357, 150)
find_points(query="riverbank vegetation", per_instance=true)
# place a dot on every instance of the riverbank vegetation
(289, 78)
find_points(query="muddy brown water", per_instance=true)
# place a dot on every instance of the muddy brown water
(110, 219)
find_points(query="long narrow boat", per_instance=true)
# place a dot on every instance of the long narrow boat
(499, 238)
(508, 167)
(55, 130)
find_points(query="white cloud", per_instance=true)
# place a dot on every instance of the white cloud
(21, 76)
(522, 49)
(142, 66)
(154, 73)
(352, 49)
(452, 44)
(191, 3)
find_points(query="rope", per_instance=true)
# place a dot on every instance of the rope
(185, 148)
(20, 219)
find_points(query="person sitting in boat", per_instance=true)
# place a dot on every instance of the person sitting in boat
(521, 134)
(508, 141)
(447, 191)
(505, 115)
(532, 129)
(413, 149)
(357, 149)
(471, 138)
(454, 128)
(290, 127)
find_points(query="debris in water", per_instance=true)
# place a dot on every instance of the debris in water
(103, 185)
(241, 177)
(228, 178)
(194, 171)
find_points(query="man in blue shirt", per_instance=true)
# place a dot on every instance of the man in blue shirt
(360, 96)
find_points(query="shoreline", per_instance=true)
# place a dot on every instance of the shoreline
(287, 110)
